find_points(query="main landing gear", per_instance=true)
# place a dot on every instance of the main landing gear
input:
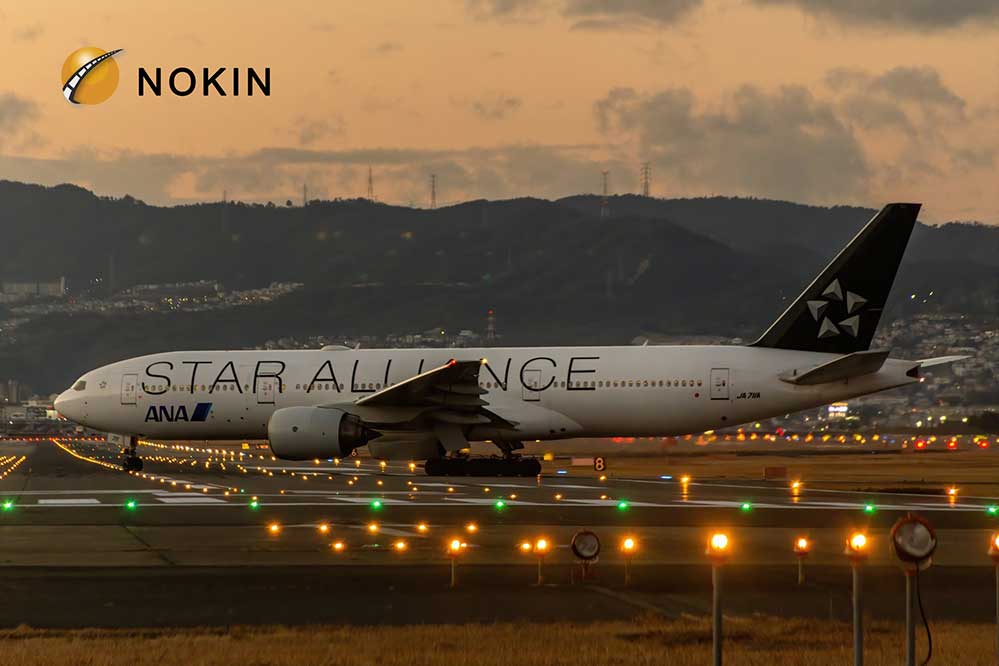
(495, 466)
(130, 462)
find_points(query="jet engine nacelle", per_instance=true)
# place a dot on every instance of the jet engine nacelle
(305, 433)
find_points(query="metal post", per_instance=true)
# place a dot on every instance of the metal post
(716, 614)
(858, 618)
(541, 579)
(997, 614)
(454, 572)
(910, 623)
(801, 571)
(627, 571)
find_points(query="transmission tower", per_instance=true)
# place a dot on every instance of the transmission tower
(646, 178)
(371, 185)
(604, 202)
(433, 191)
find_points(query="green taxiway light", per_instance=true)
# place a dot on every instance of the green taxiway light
(500, 505)
(131, 504)
(992, 510)
(376, 505)
(745, 506)
(254, 504)
(622, 506)
(869, 508)
(8, 505)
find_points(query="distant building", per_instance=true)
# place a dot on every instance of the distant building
(14, 291)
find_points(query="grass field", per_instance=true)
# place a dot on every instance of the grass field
(752, 641)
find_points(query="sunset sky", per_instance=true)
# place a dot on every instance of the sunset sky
(817, 101)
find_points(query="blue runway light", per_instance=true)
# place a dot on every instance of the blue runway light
(666, 477)
(561, 471)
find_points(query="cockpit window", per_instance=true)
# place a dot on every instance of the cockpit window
(80, 385)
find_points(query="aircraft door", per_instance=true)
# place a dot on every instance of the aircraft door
(128, 389)
(532, 380)
(719, 383)
(265, 391)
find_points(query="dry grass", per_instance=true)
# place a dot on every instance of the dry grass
(749, 641)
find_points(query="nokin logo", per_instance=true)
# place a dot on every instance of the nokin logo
(89, 75)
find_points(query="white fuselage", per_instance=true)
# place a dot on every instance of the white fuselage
(549, 393)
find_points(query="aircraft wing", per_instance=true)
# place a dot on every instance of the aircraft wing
(446, 400)
(454, 384)
(939, 360)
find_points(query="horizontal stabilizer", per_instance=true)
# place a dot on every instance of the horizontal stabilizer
(844, 367)
(939, 360)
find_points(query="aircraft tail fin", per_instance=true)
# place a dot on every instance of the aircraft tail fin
(839, 311)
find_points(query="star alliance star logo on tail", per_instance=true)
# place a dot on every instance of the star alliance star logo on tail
(834, 299)
(89, 75)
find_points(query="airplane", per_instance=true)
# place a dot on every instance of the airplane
(429, 404)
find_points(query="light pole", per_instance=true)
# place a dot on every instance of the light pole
(717, 552)
(914, 542)
(455, 548)
(628, 546)
(802, 546)
(856, 550)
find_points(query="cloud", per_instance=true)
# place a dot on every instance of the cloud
(310, 131)
(16, 114)
(901, 14)
(784, 144)
(385, 48)
(912, 99)
(29, 33)
(496, 106)
(588, 14)
(613, 14)
(505, 10)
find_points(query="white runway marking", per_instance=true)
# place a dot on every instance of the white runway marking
(69, 501)
(189, 499)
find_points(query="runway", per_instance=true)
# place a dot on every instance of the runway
(224, 532)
